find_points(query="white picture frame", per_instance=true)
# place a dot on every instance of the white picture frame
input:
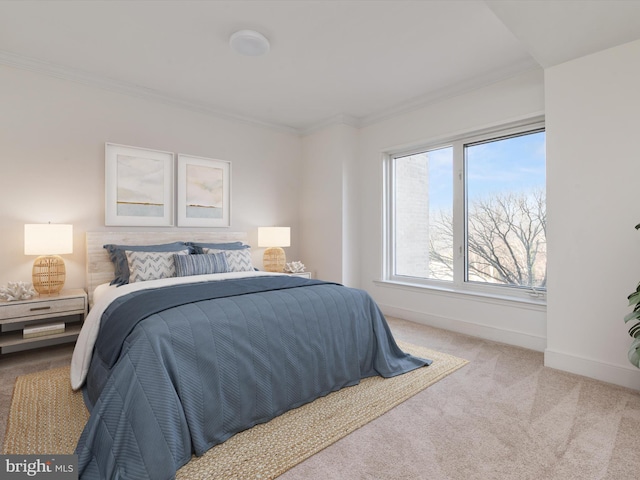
(204, 192)
(139, 186)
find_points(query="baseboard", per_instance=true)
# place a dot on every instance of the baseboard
(510, 337)
(628, 377)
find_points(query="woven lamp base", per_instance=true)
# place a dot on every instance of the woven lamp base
(48, 274)
(274, 259)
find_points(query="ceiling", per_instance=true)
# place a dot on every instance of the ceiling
(349, 61)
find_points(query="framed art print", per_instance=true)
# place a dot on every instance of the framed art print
(204, 192)
(138, 186)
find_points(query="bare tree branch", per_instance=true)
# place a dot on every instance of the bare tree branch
(506, 240)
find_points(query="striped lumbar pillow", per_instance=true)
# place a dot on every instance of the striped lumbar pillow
(187, 265)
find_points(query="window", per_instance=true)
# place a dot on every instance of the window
(423, 191)
(470, 213)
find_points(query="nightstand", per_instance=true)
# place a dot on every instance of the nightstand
(301, 274)
(40, 319)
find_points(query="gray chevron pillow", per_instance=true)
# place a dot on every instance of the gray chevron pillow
(145, 266)
(237, 260)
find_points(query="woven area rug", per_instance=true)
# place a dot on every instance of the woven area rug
(47, 417)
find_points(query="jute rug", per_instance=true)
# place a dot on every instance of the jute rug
(47, 417)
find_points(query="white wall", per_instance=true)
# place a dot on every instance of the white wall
(328, 203)
(53, 132)
(592, 108)
(502, 102)
(351, 207)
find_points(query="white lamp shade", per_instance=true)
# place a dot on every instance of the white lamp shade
(274, 236)
(48, 239)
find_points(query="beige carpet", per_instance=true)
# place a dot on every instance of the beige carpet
(47, 417)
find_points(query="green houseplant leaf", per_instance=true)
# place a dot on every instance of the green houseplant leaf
(634, 298)
(634, 353)
(634, 331)
(635, 315)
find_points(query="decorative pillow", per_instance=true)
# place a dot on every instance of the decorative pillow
(200, 264)
(237, 260)
(145, 266)
(119, 258)
(198, 246)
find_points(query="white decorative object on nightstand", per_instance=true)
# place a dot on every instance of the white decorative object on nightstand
(41, 321)
(294, 267)
(14, 291)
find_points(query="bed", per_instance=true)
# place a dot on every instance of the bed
(171, 365)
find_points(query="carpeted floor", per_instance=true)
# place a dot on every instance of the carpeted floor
(503, 416)
(47, 416)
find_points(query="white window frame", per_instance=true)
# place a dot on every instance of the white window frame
(459, 284)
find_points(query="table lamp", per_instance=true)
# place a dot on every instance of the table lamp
(49, 241)
(274, 238)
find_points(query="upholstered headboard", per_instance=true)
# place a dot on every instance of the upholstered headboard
(99, 267)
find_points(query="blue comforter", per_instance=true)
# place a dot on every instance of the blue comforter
(205, 363)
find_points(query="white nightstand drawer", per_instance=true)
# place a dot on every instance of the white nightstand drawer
(301, 274)
(41, 307)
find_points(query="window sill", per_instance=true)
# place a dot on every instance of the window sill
(453, 292)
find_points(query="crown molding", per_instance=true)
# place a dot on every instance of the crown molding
(124, 88)
(450, 91)
(457, 89)
(340, 119)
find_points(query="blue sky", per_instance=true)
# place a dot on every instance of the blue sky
(510, 165)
